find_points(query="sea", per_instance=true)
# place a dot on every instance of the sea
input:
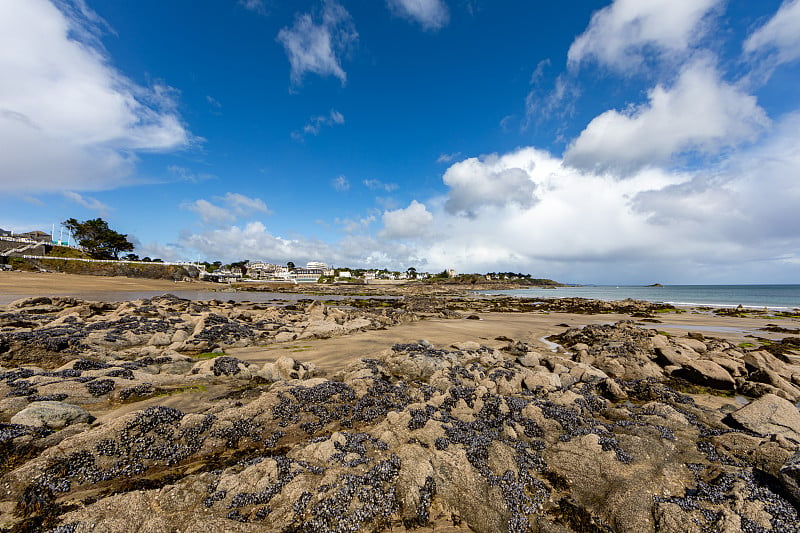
(778, 297)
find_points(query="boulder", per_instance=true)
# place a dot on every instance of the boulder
(693, 344)
(286, 368)
(670, 355)
(708, 373)
(770, 415)
(790, 476)
(53, 415)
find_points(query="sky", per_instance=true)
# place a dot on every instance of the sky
(618, 142)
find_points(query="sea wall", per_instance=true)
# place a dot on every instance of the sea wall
(129, 269)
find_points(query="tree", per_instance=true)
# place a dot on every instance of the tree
(290, 265)
(131, 257)
(97, 239)
(412, 272)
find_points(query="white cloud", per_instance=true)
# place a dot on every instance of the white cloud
(733, 222)
(699, 113)
(430, 14)
(234, 205)
(341, 184)
(619, 35)
(315, 47)
(410, 222)
(185, 174)
(360, 225)
(210, 213)
(448, 158)
(256, 6)
(489, 181)
(88, 202)
(781, 33)
(68, 119)
(378, 185)
(315, 124)
(243, 206)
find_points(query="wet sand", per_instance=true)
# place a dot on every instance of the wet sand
(16, 284)
(333, 354)
(53, 283)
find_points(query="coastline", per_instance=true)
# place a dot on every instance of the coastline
(444, 408)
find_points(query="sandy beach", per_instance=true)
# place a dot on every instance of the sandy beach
(51, 284)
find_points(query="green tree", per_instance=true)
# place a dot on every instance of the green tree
(97, 239)
(290, 265)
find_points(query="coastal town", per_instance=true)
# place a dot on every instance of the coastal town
(35, 246)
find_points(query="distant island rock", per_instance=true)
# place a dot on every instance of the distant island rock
(655, 285)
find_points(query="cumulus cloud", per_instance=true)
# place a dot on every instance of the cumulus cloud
(734, 221)
(68, 118)
(315, 44)
(620, 34)
(497, 181)
(227, 209)
(698, 113)
(780, 34)
(750, 200)
(430, 14)
(412, 221)
(210, 213)
(242, 205)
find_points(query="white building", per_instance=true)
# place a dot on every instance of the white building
(316, 265)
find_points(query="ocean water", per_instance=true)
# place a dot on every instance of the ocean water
(782, 297)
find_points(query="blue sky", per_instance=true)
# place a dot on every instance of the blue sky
(611, 142)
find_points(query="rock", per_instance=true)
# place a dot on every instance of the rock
(675, 356)
(468, 346)
(160, 339)
(708, 373)
(286, 368)
(790, 476)
(52, 415)
(693, 344)
(612, 390)
(770, 415)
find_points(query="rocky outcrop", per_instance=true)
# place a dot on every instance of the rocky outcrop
(626, 351)
(49, 332)
(770, 415)
(603, 435)
(419, 436)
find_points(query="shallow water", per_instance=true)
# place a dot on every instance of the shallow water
(126, 296)
(783, 297)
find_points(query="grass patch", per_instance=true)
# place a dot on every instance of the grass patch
(746, 345)
(181, 390)
(207, 355)
(294, 349)
(63, 251)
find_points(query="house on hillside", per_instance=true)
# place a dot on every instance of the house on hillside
(39, 236)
